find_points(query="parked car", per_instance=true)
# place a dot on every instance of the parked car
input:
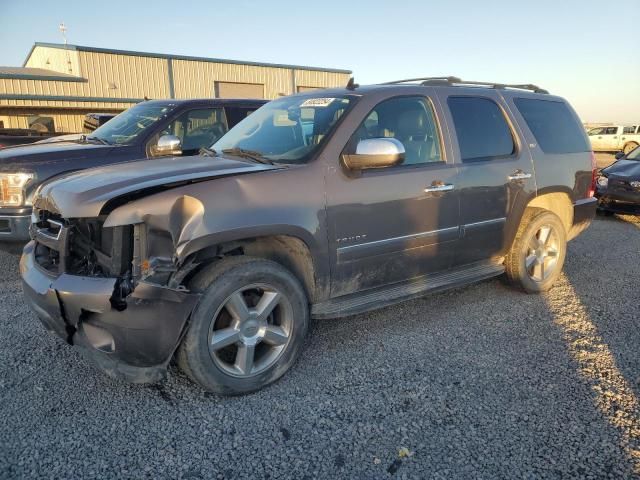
(150, 129)
(323, 204)
(21, 136)
(618, 186)
(615, 138)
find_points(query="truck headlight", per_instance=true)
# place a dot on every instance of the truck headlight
(12, 188)
(603, 182)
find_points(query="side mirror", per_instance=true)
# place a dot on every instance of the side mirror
(619, 155)
(167, 145)
(375, 153)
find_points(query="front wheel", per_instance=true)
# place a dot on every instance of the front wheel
(248, 328)
(537, 255)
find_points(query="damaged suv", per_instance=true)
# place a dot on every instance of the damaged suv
(323, 204)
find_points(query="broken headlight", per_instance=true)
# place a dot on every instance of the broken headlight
(603, 182)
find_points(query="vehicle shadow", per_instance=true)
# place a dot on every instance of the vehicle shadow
(598, 321)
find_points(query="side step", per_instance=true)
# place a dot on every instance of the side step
(354, 303)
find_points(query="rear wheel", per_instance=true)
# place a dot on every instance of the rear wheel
(537, 255)
(248, 329)
(629, 147)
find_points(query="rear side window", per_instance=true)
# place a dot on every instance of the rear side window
(481, 128)
(554, 125)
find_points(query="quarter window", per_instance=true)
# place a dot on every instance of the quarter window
(481, 128)
(554, 126)
(408, 119)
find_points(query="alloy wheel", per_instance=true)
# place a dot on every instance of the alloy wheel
(542, 253)
(250, 330)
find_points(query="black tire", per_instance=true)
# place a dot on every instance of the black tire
(218, 284)
(515, 262)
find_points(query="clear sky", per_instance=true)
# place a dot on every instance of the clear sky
(584, 50)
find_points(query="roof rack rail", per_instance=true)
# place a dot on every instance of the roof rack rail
(450, 80)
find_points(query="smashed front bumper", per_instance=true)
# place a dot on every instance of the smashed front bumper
(619, 200)
(134, 344)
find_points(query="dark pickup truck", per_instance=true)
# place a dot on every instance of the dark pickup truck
(151, 129)
(318, 205)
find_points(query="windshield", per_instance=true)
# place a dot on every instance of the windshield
(287, 130)
(633, 154)
(123, 129)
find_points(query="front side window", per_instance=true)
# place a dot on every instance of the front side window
(198, 128)
(125, 128)
(553, 125)
(408, 119)
(289, 129)
(481, 128)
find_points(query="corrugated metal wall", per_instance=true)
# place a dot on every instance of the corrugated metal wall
(123, 76)
(67, 121)
(196, 79)
(131, 77)
(56, 59)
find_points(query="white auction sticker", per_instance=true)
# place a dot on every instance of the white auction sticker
(317, 102)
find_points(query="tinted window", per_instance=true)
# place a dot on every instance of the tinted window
(407, 119)
(236, 114)
(481, 128)
(629, 129)
(554, 126)
(198, 128)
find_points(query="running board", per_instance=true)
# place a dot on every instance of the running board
(355, 303)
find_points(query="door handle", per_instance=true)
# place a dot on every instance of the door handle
(519, 175)
(439, 187)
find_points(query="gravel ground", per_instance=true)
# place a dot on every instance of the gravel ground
(482, 382)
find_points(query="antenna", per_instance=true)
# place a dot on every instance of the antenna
(63, 30)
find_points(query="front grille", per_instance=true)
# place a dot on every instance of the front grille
(81, 246)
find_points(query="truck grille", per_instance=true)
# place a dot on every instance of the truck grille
(81, 246)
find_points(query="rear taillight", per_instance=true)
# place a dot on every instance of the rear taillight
(594, 175)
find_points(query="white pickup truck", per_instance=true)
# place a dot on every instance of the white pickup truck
(615, 138)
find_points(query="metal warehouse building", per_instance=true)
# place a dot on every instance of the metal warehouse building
(58, 84)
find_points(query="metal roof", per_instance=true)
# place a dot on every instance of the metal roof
(179, 57)
(26, 73)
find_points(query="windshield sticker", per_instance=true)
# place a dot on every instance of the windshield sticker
(317, 102)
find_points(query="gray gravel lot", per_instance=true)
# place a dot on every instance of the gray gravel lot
(482, 382)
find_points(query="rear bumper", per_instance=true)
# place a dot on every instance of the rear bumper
(584, 211)
(14, 228)
(135, 344)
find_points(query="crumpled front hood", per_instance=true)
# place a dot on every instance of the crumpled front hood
(28, 157)
(82, 194)
(624, 169)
